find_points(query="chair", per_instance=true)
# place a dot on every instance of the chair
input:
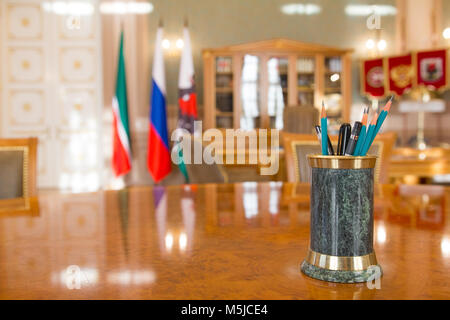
(382, 147)
(300, 119)
(298, 146)
(18, 168)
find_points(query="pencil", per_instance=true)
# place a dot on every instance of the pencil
(369, 135)
(381, 118)
(362, 134)
(324, 128)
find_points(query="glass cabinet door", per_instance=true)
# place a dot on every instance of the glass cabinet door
(332, 88)
(224, 92)
(305, 81)
(250, 99)
(277, 73)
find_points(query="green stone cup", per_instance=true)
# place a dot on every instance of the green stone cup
(341, 239)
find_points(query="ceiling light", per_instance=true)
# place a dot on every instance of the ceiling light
(370, 44)
(302, 9)
(65, 8)
(366, 10)
(381, 45)
(334, 77)
(122, 7)
(166, 43)
(179, 43)
(446, 33)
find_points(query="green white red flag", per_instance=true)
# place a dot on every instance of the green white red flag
(121, 158)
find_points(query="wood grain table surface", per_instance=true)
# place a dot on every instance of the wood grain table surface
(229, 241)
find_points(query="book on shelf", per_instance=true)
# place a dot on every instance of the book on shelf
(334, 64)
(305, 65)
(224, 80)
(223, 64)
(224, 102)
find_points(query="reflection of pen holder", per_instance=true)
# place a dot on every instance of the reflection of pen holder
(341, 241)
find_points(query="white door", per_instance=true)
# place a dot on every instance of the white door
(51, 86)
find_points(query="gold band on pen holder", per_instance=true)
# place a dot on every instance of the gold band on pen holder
(341, 162)
(336, 263)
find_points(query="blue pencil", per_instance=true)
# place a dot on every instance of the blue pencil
(381, 118)
(369, 135)
(324, 127)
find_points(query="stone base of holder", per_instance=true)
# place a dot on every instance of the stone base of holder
(341, 269)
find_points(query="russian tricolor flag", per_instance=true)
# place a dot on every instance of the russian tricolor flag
(158, 154)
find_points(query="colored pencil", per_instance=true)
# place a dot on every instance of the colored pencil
(324, 128)
(381, 118)
(362, 134)
(369, 135)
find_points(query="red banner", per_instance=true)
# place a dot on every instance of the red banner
(432, 68)
(401, 74)
(373, 78)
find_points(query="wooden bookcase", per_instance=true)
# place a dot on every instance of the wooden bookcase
(248, 85)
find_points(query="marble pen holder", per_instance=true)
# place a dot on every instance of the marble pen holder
(341, 239)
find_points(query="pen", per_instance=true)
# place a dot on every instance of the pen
(353, 139)
(319, 136)
(362, 134)
(344, 136)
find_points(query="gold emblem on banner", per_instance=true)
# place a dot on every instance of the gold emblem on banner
(402, 75)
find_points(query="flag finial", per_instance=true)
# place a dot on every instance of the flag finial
(186, 22)
(160, 24)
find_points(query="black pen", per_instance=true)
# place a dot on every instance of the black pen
(344, 136)
(353, 139)
(319, 136)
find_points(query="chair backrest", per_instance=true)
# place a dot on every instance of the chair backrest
(298, 146)
(382, 147)
(17, 168)
(300, 119)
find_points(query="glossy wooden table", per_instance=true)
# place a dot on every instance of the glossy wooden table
(243, 241)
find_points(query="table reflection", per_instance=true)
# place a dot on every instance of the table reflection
(140, 242)
(181, 235)
(19, 207)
